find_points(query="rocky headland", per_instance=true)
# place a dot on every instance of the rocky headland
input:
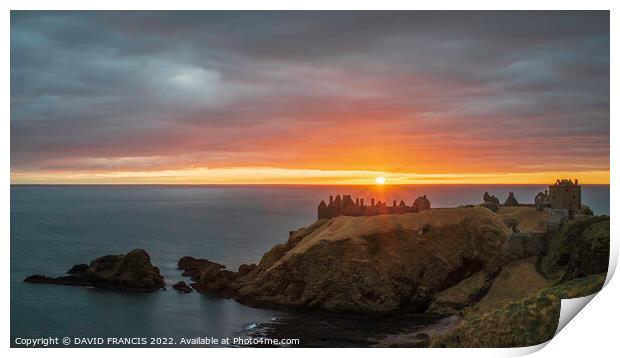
(495, 274)
(476, 264)
(130, 272)
(374, 265)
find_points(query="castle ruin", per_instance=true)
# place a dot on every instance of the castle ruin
(564, 194)
(344, 205)
(511, 200)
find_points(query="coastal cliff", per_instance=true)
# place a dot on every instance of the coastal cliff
(375, 265)
(497, 274)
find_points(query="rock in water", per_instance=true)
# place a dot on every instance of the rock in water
(192, 266)
(132, 272)
(73, 280)
(181, 286)
(80, 268)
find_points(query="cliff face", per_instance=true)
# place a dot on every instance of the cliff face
(575, 264)
(520, 307)
(372, 265)
(579, 249)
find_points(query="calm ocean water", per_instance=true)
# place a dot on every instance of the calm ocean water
(54, 227)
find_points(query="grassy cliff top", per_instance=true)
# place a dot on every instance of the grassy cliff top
(530, 219)
(346, 227)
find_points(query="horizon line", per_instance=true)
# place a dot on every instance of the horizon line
(278, 184)
(284, 176)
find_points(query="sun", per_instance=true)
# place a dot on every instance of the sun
(380, 180)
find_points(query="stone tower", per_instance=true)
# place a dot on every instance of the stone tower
(421, 203)
(565, 194)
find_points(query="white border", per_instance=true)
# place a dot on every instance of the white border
(593, 331)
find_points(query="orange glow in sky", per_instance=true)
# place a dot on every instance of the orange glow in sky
(298, 176)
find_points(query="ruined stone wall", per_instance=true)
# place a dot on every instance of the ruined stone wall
(345, 205)
(565, 197)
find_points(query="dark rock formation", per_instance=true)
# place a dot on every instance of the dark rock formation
(181, 286)
(511, 200)
(580, 248)
(208, 276)
(245, 269)
(522, 245)
(79, 268)
(215, 280)
(74, 280)
(133, 272)
(585, 210)
(192, 267)
(558, 217)
(590, 254)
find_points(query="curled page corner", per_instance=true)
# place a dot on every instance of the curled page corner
(523, 351)
(613, 262)
(569, 308)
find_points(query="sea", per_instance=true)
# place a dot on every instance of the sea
(54, 227)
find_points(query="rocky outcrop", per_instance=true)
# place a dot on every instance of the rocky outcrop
(181, 286)
(590, 254)
(73, 280)
(522, 245)
(578, 249)
(371, 265)
(456, 298)
(132, 271)
(585, 210)
(77, 269)
(192, 266)
(557, 218)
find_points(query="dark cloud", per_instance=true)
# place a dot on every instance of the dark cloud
(171, 89)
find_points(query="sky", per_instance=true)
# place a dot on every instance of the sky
(309, 97)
